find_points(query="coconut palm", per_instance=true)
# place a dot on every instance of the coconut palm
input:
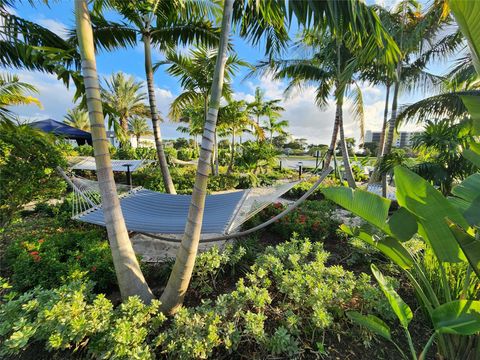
(139, 127)
(123, 99)
(14, 92)
(78, 118)
(195, 72)
(129, 275)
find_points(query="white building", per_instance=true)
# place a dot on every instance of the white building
(402, 139)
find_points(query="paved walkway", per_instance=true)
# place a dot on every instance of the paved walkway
(154, 250)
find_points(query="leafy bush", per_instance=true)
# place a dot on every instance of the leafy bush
(28, 160)
(283, 307)
(312, 219)
(46, 252)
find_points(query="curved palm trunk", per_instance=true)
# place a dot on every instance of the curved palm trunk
(375, 177)
(130, 278)
(172, 297)
(343, 147)
(162, 159)
(333, 141)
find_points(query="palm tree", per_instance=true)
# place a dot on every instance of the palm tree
(414, 32)
(196, 72)
(14, 92)
(162, 24)
(130, 278)
(138, 128)
(123, 99)
(273, 125)
(78, 118)
(257, 21)
(261, 107)
(172, 297)
(443, 144)
(234, 119)
(331, 69)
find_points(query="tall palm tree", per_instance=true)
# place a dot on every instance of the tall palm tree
(196, 72)
(331, 69)
(163, 25)
(172, 297)
(14, 92)
(138, 128)
(78, 118)
(130, 278)
(123, 99)
(261, 107)
(257, 21)
(273, 125)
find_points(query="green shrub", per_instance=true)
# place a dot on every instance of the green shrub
(28, 160)
(49, 252)
(283, 307)
(312, 219)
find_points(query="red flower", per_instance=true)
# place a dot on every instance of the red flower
(94, 268)
(37, 258)
(34, 253)
(277, 205)
(41, 241)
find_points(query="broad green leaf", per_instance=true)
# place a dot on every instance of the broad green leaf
(388, 246)
(472, 103)
(371, 322)
(374, 209)
(473, 154)
(368, 206)
(399, 307)
(402, 224)
(467, 14)
(431, 209)
(461, 317)
(468, 198)
(469, 245)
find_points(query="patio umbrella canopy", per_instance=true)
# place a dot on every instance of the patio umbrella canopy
(63, 130)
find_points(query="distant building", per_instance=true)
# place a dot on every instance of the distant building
(402, 139)
(145, 141)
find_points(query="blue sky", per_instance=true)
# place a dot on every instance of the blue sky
(306, 120)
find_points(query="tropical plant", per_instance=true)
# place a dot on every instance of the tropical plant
(130, 278)
(138, 128)
(261, 107)
(123, 99)
(275, 126)
(449, 307)
(195, 72)
(78, 118)
(14, 92)
(442, 144)
(331, 68)
(28, 159)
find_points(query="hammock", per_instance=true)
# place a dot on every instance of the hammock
(88, 163)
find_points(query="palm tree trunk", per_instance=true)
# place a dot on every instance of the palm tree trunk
(172, 297)
(130, 278)
(391, 125)
(216, 152)
(138, 141)
(333, 141)
(162, 159)
(343, 147)
(375, 177)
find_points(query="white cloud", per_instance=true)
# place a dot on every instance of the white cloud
(54, 96)
(55, 26)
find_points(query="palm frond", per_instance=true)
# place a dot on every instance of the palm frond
(358, 109)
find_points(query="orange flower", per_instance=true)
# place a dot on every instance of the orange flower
(41, 241)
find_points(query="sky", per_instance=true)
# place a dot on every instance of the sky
(305, 118)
